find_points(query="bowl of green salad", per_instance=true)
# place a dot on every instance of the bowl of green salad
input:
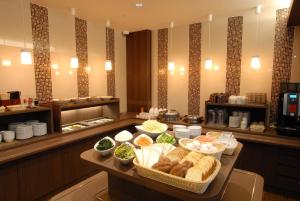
(124, 153)
(166, 138)
(105, 146)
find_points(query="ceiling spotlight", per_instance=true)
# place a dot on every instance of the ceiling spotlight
(139, 5)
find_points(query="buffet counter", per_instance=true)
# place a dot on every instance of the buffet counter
(58, 156)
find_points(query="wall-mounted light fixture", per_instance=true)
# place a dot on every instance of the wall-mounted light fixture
(208, 64)
(26, 57)
(74, 63)
(55, 66)
(6, 62)
(108, 65)
(255, 60)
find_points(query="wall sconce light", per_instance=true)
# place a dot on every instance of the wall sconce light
(74, 63)
(255, 63)
(6, 62)
(26, 57)
(55, 66)
(88, 69)
(108, 65)
(171, 67)
(208, 64)
(57, 73)
(216, 67)
(182, 70)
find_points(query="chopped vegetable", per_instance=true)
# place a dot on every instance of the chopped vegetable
(104, 144)
(153, 126)
(143, 141)
(166, 138)
(124, 151)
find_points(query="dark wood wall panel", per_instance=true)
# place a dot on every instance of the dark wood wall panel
(138, 54)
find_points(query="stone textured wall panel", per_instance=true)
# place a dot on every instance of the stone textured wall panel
(110, 55)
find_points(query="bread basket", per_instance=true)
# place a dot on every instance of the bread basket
(178, 182)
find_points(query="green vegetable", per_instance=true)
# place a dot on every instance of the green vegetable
(104, 144)
(166, 138)
(124, 151)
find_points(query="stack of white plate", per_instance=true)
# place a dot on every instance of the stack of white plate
(31, 122)
(182, 133)
(39, 129)
(194, 131)
(24, 132)
(13, 126)
(234, 121)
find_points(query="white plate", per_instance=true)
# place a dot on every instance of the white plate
(153, 135)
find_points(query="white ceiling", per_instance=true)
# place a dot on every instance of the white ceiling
(156, 13)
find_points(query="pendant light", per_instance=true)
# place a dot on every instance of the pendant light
(171, 64)
(255, 60)
(74, 60)
(108, 63)
(208, 63)
(25, 54)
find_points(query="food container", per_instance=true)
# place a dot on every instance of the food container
(152, 134)
(123, 136)
(106, 97)
(107, 151)
(162, 139)
(125, 161)
(8, 136)
(146, 137)
(193, 119)
(234, 121)
(219, 148)
(178, 182)
(24, 132)
(0, 137)
(195, 131)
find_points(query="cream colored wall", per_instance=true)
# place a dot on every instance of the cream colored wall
(62, 48)
(62, 42)
(17, 76)
(178, 84)
(258, 80)
(213, 81)
(295, 76)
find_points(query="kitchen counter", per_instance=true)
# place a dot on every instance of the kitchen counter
(33, 146)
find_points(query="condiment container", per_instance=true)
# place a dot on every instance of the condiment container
(8, 136)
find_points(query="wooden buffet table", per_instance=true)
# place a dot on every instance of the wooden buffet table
(125, 184)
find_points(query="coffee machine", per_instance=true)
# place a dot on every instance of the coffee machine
(288, 119)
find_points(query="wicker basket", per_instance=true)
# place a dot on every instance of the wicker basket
(196, 187)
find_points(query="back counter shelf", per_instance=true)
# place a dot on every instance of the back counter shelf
(73, 113)
(257, 113)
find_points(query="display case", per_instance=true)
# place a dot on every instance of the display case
(72, 116)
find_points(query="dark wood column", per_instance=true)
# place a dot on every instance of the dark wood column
(138, 54)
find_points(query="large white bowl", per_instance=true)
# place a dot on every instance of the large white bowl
(153, 135)
(108, 151)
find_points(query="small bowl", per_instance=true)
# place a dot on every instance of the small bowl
(107, 151)
(157, 139)
(125, 161)
(178, 126)
(119, 141)
(182, 133)
(195, 131)
(142, 135)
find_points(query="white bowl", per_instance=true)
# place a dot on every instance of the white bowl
(125, 161)
(178, 126)
(142, 135)
(153, 135)
(8, 136)
(120, 139)
(108, 151)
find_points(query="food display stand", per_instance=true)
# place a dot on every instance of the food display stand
(124, 183)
